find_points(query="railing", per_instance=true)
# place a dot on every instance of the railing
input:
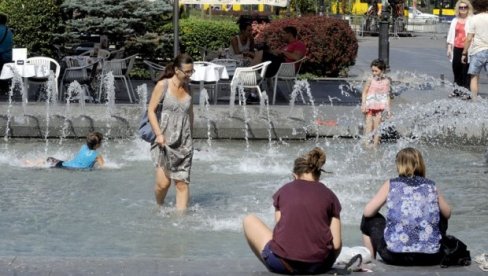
(364, 25)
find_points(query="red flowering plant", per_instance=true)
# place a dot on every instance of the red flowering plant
(331, 43)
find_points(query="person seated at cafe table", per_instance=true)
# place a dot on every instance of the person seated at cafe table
(6, 44)
(243, 43)
(294, 50)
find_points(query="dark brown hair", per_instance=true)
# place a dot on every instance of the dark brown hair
(3, 18)
(178, 62)
(291, 30)
(93, 139)
(310, 162)
(379, 63)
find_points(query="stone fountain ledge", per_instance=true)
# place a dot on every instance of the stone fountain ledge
(220, 122)
(436, 117)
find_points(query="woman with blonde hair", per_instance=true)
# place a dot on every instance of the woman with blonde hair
(416, 218)
(307, 236)
(455, 44)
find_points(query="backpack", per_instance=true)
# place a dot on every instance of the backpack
(145, 130)
(455, 252)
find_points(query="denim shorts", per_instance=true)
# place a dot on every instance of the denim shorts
(477, 62)
(272, 261)
(276, 264)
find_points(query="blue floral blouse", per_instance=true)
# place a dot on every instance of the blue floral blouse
(412, 220)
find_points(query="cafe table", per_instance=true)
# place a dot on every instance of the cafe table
(24, 71)
(208, 72)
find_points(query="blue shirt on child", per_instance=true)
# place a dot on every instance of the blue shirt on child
(85, 159)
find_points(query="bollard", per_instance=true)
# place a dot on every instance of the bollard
(384, 36)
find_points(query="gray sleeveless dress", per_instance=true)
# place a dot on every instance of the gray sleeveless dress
(176, 156)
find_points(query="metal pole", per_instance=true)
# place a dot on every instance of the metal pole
(176, 31)
(384, 36)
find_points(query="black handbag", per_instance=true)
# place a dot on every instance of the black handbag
(455, 252)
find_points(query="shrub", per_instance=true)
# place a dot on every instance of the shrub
(331, 44)
(196, 33)
(35, 24)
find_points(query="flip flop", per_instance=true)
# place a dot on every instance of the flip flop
(353, 265)
(467, 97)
(481, 259)
(484, 267)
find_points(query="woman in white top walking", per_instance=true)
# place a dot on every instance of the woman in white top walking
(455, 44)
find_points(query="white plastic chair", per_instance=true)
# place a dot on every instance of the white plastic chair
(230, 66)
(287, 71)
(102, 53)
(120, 69)
(78, 68)
(154, 69)
(46, 62)
(249, 77)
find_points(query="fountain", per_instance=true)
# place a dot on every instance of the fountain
(78, 214)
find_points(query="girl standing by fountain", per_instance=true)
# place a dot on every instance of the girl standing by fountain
(416, 218)
(307, 235)
(170, 113)
(375, 100)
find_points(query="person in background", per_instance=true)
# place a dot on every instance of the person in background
(6, 45)
(476, 45)
(86, 158)
(172, 151)
(455, 44)
(243, 43)
(294, 50)
(416, 218)
(307, 236)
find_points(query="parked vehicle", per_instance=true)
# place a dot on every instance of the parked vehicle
(417, 17)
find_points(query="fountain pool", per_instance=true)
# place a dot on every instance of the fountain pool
(111, 212)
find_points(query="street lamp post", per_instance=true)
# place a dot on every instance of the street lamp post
(176, 31)
(384, 36)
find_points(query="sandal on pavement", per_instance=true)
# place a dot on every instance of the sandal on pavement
(481, 259)
(484, 267)
(467, 97)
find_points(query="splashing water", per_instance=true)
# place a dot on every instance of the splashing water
(205, 111)
(51, 99)
(142, 93)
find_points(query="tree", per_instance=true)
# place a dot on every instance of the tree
(121, 21)
(35, 24)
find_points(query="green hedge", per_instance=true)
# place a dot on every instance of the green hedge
(35, 24)
(196, 33)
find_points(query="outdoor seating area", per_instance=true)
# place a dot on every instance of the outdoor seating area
(87, 69)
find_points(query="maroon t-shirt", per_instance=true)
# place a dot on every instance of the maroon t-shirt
(303, 231)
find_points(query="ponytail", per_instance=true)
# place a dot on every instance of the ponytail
(170, 69)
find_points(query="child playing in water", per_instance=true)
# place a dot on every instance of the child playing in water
(86, 157)
(375, 100)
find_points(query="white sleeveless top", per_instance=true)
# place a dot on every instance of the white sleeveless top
(242, 48)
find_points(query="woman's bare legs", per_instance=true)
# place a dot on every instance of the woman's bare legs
(182, 195)
(257, 234)
(161, 186)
